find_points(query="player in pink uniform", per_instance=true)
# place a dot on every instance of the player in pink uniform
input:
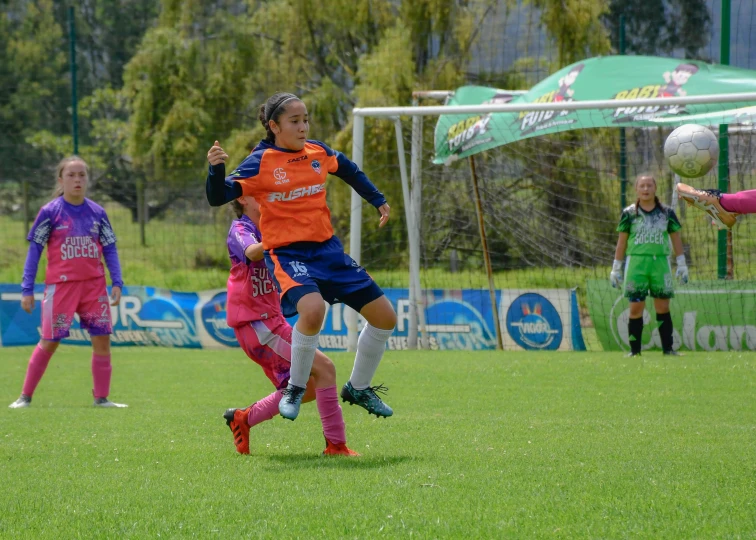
(253, 310)
(78, 235)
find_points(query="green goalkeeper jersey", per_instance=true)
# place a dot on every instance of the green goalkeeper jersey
(649, 231)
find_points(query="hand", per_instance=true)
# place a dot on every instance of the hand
(682, 274)
(115, 296)
(385, 210)
(216, 154)
(615, 277)
(27, 303)
(682, 270)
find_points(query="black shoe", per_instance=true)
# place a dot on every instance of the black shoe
(367, 399)
(671, 353)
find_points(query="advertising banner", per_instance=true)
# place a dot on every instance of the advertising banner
(602, 78)
(707, 316)
(456, 319)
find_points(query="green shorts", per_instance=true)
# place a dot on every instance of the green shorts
(648, 275)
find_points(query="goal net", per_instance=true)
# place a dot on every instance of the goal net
(549, 207)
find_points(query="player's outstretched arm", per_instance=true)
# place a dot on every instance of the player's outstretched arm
(350, 173)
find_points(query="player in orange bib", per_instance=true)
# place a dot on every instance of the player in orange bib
(286, 174)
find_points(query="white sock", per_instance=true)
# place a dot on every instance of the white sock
(370, 347)
(302, 355)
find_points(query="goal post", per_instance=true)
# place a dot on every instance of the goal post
(419, 179)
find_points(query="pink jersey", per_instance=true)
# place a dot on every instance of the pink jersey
(252, 295)
(74, 236)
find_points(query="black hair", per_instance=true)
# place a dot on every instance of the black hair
(637, 202)
(690, 68)
(238, 209)
(272, 109)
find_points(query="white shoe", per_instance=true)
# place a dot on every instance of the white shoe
(21, 403)
(105, 402)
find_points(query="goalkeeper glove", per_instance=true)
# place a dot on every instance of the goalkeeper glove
(615, 278)
(682, 270)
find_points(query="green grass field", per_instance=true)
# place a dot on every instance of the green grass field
(482, 445)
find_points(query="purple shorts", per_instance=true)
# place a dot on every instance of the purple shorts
(268, 343)
(88, 299)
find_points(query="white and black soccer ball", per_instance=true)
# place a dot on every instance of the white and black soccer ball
(691, 150)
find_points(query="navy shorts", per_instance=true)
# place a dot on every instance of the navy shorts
(305, 267)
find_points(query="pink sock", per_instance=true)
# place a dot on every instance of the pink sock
(265, 409)
(330, 414)
(37, 366)
(101, 370)
(742, 202)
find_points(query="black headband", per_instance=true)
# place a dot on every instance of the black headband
(284, 99)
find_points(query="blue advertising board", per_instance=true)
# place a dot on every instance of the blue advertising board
(455, 319)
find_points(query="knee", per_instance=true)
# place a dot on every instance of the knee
(636, 310)
(48, 346)
(386, 320)
(101, 345)
(311, 318)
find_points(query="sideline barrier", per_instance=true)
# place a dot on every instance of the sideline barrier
(456, 319)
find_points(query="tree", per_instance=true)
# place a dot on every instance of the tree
(660, 27)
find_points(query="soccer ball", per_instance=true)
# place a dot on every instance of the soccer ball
(691, 150)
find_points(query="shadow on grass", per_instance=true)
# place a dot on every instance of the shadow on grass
(308, 461)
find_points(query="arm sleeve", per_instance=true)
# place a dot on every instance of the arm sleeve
(218, 188)
(40, 230)
(107, 236)
(30, 268)
(110, 252)
(239, 239)
(673, 224)
(350, 173)
(346, 169)
(626, 222)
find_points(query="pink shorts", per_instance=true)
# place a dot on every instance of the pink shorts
(88, 299)
(268, 343)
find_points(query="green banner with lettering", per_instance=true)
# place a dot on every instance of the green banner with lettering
(707, 316)
(603, 78)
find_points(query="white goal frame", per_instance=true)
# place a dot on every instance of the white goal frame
(412, 183)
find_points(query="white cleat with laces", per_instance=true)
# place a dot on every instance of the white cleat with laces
(105, 402)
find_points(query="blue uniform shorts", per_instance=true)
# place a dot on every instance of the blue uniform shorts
(305, 267)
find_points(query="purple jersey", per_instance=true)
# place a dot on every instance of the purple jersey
(75, 236)
(252, 296)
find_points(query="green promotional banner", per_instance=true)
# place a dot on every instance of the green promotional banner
(604, 78)
(707, 316)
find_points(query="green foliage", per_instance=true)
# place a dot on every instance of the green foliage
(575, 28)
(659, 27)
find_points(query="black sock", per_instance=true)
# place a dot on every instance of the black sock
(665, 330)
(635, 329)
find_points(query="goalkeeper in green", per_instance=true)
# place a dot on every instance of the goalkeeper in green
(645, 231)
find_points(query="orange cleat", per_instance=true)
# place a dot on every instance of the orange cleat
(236, 420)
(340, 449)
